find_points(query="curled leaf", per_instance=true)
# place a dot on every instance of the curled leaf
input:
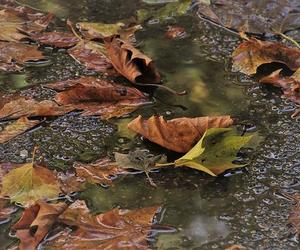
(179, 134)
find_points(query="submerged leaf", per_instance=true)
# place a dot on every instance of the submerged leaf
(130, 62)
(115, 229)
(16, 128)
(215, 152)
(179, 134)
(36, 222)
(6, 210)
(29, 183)
(99, 30)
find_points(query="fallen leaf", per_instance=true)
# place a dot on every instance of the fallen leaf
(175, 32)
(170, 10)
(236, 247)
(92, 55)
(130, 62)
(140, 160)
(253, 53)
(294, 217)
(56, 39)
(215, 151)
(251, 16)
(290, 85)
(14, 55)
(116, 229)
(16, 128)
(179, 134)
(29, 183)
(98, 97)
(36, 222)
(18, 22)
(30, 108)
(6, 210)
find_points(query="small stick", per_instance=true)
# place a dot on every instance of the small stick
(172, 91)
(287, 38)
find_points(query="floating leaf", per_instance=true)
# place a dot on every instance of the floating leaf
(99, 30)
(253, 53)
(30, 108)
(115, 229)
(130, 62)
(179, 134)
(14, 55)
(36, 222)
(215, 152)
(16, 128)
(29, 183)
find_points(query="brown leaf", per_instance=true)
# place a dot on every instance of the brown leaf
(98, 97)
(294, 217)
(236, 247)
(16, 128)
(290, 85)
(179, 134)
(36, 222)
(56, 39)
(6, 210)
(130, 62)
(91, 55)
(99, 172)
(175, 32)
(253, 53)
(116, 229)
(14, 55)
(30, 108)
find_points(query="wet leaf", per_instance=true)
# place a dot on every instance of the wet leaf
(115, 229)
(92, 55)
(236, 247)
(252, 16)
(175, 32)
(16, 128)
(130, 62)
(98, 97)
(215, 152)
(140, 160)
(14, 55)
(170, 10)
(30, 108)
(6, 210)
(99, 30)
(294, 217)
(36, 222)
(290, 85)
(253, 53)
(18, 22)
(56, 39)
(179, 134)
(29, 183)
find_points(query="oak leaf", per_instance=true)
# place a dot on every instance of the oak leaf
(116, 229)
(29, 183)
(130, 62)
(180, 134)
(16, 128)
(36, 222)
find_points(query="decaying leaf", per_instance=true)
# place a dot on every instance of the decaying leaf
(98, 97)
(170, 10)
(175, 32)
(116, 229)
(36, 222)
(140, 160)
(16, 128)
(30, 108)
(14, 55)
(6, 210)
(91, 54)
(29, 183)
(17, 22)
(252, 16)
(215, 151)
(253, 53)
(56, 39)
(180, 134)
(130, 62)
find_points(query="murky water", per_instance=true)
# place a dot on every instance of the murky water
(207, 213)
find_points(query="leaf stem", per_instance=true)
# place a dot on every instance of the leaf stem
(34, 153)
(164, 164)
(172, 91)
(70, 25)
(287, 38)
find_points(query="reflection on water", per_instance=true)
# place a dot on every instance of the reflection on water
(13, 82)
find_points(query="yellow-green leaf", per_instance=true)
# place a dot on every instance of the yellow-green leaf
(29, 183)
(215, 152)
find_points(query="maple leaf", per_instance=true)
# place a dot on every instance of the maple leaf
(115, 229)
(179, 134)
(36, 222)
(28, 183)
(16, 128)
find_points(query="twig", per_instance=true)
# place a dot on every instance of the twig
(287, 38)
